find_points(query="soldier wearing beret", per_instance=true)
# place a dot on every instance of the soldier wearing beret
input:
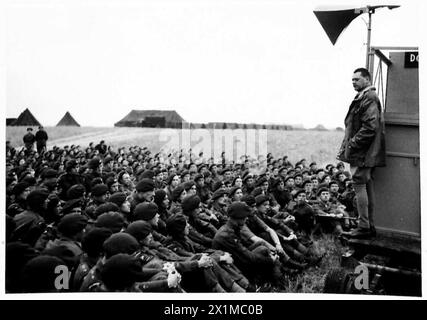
(99, 195)
(202, 190)
(92, 246)
(203, 221)
(71, 229)
(94, 171)
(19, 195)
(230, 277)
(149, 212)
(219, 205)
(328, 215)
(30, 224)
(69, 178)
(144, 192)
(49, 179)
(251, 258)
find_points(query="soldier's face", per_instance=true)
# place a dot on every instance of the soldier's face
(301, 197)
(359, 82)
(324, 196)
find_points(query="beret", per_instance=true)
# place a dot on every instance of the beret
(261, 180)
(289, 177)
(110, 220)
(76, 191)
(145, 211)
(36, 198)
(99, 190)
(120, 243)
(159, 196)
(93, 240)
(188, 185)
(146, 174)
(39, 274)
(20, 188)
(198, 177)
(49, 173)
(139, 229)
(121, 271)
(223, 171)
(118, 198)
(298, 192)
(238, 210)
(249, 200)
(320, 190)
(257, 191)
(145, 185)
(106, 207)
(175, 225)
(70, 164)
(260, 199)
(71, 204)
(306, 181)
(190, 203)
(94, 163)
(219, 193)
(71, 224)
(233, 191)
(177, 192)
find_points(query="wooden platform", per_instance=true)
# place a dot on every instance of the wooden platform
(388, 244)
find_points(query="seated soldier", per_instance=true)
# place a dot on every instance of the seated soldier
(202, 221)
(304, 217)
(288, 239)
(92, 251)
(328, 215)
(257, 260)
(178, 241)
(219, 206)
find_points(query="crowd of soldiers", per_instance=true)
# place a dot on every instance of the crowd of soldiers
(128, 220)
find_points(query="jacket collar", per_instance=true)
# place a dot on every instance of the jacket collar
(362, 93)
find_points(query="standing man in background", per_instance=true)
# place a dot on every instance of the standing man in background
(363, 148)
(41, 138)
(29, 140)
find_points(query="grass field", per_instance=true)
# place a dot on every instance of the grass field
(319, 146)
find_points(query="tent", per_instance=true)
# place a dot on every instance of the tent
(151, 118)
(68, 120)
(26, 118)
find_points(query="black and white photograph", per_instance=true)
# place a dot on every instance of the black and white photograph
(239, 149)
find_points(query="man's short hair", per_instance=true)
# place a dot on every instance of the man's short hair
(364, 72)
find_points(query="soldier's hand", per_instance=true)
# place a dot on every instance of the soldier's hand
(227, 258)
(279, 250)
(274, 256)
(174, 278)
(205, 261)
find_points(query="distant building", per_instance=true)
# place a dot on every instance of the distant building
(152, 119)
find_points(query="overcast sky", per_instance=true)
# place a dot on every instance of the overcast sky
(234, 61)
